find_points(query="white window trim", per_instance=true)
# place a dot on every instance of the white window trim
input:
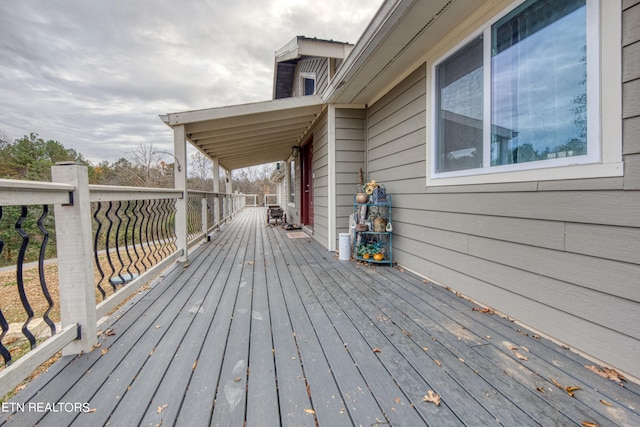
(604, 120)
(290, 162)
(309, 76)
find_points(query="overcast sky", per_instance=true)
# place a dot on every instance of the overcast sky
(95, 75)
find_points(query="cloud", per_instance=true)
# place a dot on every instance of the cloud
(95, 75)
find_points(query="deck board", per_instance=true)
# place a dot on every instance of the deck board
(262, 329)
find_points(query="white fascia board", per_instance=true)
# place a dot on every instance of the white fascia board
(243, 109)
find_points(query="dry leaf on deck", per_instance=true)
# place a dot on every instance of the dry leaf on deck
(589, 424)
(432, 397)
(104, 351)
(610, 374)
(521, 356)
(377, 350)
(309, 411)
(512, 347)
(556, 383)
(162, 408)
(571, 389)
(604, 402)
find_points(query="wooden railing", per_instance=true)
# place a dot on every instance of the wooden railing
(109, 242)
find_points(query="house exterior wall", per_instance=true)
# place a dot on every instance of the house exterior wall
(562, 257)
(350, 155)
(316, 66)
(320, 179)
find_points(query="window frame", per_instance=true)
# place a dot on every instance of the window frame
(291, 182)
(604, 112)
(307, 76)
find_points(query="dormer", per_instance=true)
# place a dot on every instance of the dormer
(304, 66)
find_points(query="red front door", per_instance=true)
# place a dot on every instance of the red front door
(306, 161)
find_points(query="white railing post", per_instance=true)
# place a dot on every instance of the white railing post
(216, 189)
(180, 177)
(205, 215)
(75, 262)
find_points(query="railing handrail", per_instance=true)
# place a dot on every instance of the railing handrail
(17, 192)
(110, 193)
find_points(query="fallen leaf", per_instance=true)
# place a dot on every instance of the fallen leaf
(309, 411)
(461, 359)
(488, 337)
(556, 383)
(571, 389)
(432, 397)
(540, 389)
(162, 408)
(104, 351)
(377, 350)
(512, 347)
(608, 373)
(237, 379)
(483, 310)
(604, 402)
(425, 348)
(91, 410)
(521, 357)
(398, 400)
(109, 332)
(193, 368)
(438, 362)
(589, 424)
(525, 349)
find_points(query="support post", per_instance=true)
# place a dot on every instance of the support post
(216, 189)
(180, 151)
(75, 263)
(205, 215)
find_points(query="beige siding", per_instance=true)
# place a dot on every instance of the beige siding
(559, 256)
(320, 180)
(350, 135)
(317, 66)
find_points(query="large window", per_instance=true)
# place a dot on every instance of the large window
(514, 97)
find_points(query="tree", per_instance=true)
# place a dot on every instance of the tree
(31, 157)
(201, 171)
(254, 180)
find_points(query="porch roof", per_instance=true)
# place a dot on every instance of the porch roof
(249, 134)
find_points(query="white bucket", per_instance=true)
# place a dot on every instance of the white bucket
(345, 247)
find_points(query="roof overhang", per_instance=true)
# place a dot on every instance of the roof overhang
(393, 45)
(249, 134)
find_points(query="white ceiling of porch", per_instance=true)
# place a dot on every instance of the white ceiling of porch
(249, 134)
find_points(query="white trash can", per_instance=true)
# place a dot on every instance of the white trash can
(345, 247)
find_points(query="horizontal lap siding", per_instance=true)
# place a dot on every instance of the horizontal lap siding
(350, 135)
(320, 180)
(317, 66)
(560, 256)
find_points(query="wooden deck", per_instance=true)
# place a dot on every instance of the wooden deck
(269, 330)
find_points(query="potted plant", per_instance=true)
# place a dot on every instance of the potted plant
(362, 250)
(376, 249)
